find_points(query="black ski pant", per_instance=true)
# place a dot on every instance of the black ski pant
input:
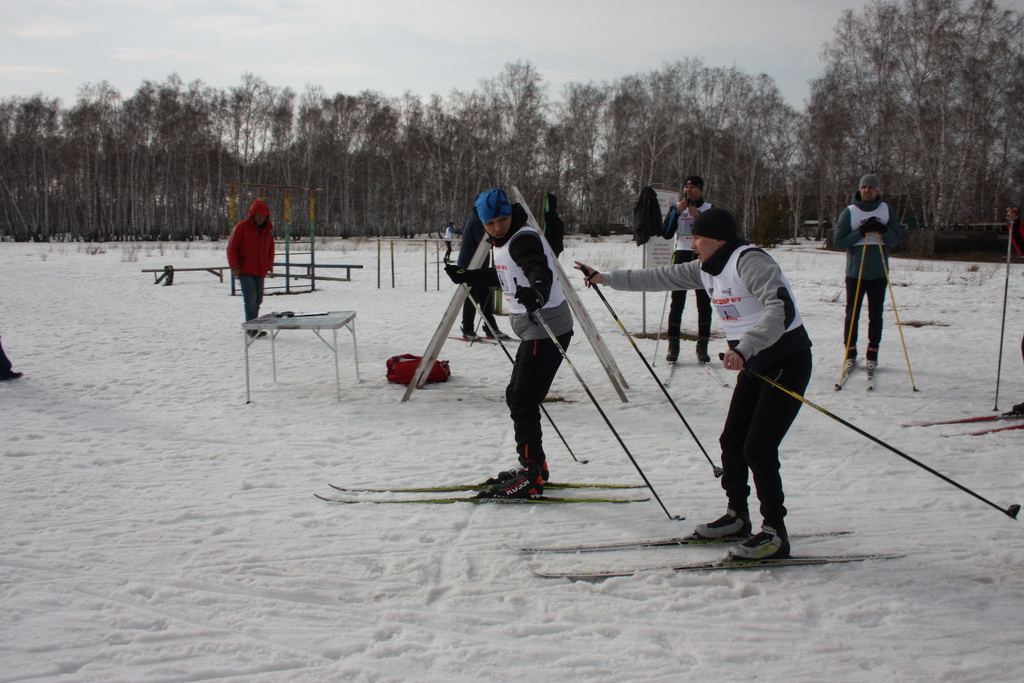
(537, 361)
(481, 294)
(875, 290)
(759, 417)
(675, 309)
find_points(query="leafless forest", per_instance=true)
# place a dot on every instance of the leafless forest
(926, 93)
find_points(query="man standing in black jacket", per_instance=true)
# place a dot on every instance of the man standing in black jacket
(524, 269)
(678, 222)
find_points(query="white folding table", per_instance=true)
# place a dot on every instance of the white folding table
(272, 324)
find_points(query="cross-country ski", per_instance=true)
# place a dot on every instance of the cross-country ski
(966, 420)
(715, 374)
(659, 543)
(717, 565)
(470, 341)
(989, 431)
(539, 500)
(548, 486)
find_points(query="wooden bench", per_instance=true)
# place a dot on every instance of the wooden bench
(166, 274)
(308, 268)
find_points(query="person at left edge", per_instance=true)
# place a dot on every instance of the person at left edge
(251, 256)
(524, 270)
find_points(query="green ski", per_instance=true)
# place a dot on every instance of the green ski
(552, 486)
(543, 500)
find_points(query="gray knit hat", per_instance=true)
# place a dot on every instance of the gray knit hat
(870, 180)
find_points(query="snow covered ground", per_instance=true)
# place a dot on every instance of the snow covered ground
(158, 528)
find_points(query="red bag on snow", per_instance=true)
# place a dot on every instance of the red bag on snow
(402, 368)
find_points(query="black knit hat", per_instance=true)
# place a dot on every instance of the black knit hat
(715, 223)
(696, 181)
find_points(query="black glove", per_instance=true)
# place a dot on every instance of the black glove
(530, 298)
(872, 225)
(456, 274)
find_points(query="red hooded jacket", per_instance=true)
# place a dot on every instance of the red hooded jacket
(251, 248)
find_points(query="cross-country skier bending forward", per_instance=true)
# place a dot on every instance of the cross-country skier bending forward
(766, 335)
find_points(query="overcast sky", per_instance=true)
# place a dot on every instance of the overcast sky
(392, 46)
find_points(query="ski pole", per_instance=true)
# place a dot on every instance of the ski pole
(892, 297)
(657, 335)
(588, 272)
(1010, 511)
(508, 355)
(1002, 325)
(664, 303)
(853, 316)
(551, 335)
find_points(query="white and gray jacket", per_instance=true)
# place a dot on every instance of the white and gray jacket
(748, 289)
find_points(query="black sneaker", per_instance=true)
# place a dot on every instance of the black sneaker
(702, 351)
(11, 375)
(521, 486)
(673, 350)
(256, 334)
(770, 542)
(517, 471)
(731, 524)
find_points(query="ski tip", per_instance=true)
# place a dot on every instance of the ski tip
(1013, 510)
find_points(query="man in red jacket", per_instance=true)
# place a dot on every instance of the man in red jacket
(251, 255)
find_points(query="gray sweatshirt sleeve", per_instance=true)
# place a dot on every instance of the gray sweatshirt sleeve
(763, 277)
(660, 279)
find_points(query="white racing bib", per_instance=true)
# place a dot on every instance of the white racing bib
(510, 275)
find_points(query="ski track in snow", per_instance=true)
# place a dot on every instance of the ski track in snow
(158, 528)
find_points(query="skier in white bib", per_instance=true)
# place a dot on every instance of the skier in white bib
(766, 335)
(524, 269)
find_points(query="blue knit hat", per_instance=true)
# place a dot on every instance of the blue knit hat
(492, 204)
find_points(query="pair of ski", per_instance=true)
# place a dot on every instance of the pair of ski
(355, 495)
(729, 563)
(476, 340)
(850, 365)
(707, 367)
(1015, 417)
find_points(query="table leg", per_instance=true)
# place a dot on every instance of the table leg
(245, 340)
(337, 373)
(273, 353)
(355, 350)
